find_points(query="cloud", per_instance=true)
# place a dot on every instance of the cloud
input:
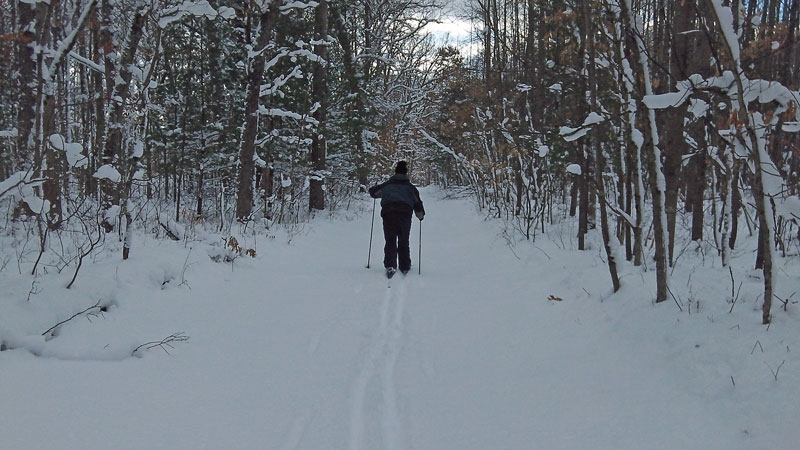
(455, 29)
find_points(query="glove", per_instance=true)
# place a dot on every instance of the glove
(420, 214)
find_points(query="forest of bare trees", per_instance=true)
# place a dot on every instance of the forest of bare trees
(663, 123)
(642, 117)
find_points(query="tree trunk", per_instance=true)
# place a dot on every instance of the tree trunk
(200, 189)
(697, 184)
(247, 148)
(634, 184)
(763, 165)
(650, 145)
(580, 151)
(26, 80)
(99, 135)
(674, 143)
(726, 155)
(736, 202)
(116, 122)
(56, 167)
(487, 44)
(789, 69)
(319, 93)
(598, 151)
(267, 185)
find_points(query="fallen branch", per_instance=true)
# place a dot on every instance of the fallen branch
(163, 343)
(100, 309)
(169, 232)
(676, 300)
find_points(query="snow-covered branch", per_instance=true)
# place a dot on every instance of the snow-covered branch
(67, 43)
(289, 6)
(199, 8)
(572, 134)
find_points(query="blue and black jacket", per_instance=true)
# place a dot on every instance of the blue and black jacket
(398, 194)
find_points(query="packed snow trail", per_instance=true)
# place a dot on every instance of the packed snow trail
(304, 348)
(385, 348)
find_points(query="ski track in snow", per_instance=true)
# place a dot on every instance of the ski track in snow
(382, 356)
(296, 434)
(392, 424)
(303, 349)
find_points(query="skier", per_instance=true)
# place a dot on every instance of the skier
(398, 199)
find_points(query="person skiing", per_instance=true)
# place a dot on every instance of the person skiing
(398, 199)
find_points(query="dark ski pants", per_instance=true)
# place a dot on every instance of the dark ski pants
(396, 228)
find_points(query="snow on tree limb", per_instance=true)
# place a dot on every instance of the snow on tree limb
(297, 5)
(67, 43)
(72, 150)
(280, 81)
(188, 8)
(725, 20)
(22, 183)
(280, 112)
(13, 181)
(662, 101)
(593, 118)
(574, 169)
(108, 172)
(12, 133)
(762, 91)
(443, 147)
(572, 134)
(87, 62)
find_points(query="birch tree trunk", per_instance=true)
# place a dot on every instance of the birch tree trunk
(636, 48)
(763, 163)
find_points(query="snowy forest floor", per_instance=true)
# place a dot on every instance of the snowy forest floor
(304, 348)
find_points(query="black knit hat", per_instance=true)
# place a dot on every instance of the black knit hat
(402, 167)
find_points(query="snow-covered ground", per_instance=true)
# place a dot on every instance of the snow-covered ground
(489, 348)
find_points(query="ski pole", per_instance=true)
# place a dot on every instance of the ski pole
(372, 226)
(419, 255)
